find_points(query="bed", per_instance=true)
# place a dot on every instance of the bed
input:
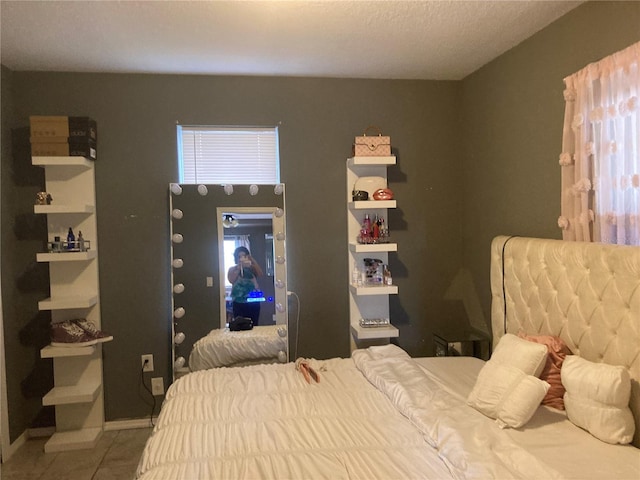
(382, 414)
(225, 348)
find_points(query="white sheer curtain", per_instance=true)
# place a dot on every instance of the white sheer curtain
(600, 156)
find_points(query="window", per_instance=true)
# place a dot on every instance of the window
(600, 156)
(228, 155)
(230, 246)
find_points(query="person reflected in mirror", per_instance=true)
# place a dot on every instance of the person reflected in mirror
(243, 278)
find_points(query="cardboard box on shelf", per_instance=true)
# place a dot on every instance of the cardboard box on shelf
(62, 129)
(85, 149)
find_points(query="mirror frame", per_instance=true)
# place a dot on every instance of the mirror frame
(249, 198)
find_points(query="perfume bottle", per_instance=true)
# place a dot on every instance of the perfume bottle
(386, 275)
(80, 243)
(355, 275)
(71, 240)
(375, 230)
(367, 223)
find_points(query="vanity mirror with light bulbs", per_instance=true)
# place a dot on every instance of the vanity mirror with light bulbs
(207, 223)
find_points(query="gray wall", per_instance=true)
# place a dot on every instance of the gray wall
(513, 118)
(318, 119)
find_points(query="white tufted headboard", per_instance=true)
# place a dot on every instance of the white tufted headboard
(586, 293)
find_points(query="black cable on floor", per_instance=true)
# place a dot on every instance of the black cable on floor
(153, 407)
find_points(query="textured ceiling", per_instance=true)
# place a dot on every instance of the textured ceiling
(356, 39)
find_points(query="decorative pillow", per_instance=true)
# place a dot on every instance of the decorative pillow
(597, 399)
(527, 356)
(557, 351)
(507, 394)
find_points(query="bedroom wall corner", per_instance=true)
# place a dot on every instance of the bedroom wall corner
(513, 111)
(462, 288)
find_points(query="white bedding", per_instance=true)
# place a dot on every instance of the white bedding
(224, 348)
(549, 435)
(266, 422)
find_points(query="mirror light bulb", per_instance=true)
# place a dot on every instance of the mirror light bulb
(253, 189)
(280, 259)
(280, 236)
(178, 288)
(279, 283)
(282, 332)
(177, 263)
(279, 307)
(179, 312)
(202, 190)
(179, 338)
(176, 213)
(177, 238)
(228, 189)
(278, 189)
(179, 363)
(279, 212)
(282, 357)
(176, 189)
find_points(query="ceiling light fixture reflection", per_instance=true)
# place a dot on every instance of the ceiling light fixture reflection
(229, 221)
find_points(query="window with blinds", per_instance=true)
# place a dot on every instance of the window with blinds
(228, 155)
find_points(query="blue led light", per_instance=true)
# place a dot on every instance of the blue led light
(256, 296)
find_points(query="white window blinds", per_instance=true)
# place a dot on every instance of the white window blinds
(228, 155)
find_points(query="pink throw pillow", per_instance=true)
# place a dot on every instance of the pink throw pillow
(558, 350)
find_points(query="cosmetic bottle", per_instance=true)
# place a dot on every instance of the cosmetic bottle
(80, 243)
(386, 275)
(71, 240)
(367, 223)
(355, 275)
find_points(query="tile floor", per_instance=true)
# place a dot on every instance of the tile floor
(114, 458)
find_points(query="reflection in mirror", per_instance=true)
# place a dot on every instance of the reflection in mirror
(208, 223)
(247, 229)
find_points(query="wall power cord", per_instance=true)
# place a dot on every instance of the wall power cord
(152, 405)
(295, 350)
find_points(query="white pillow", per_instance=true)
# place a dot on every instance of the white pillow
(530, 357)
(597, 398)
(507, 394)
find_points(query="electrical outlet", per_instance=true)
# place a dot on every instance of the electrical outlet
(148, 358)
(157, 386)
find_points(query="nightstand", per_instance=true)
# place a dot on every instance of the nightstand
(468, 343)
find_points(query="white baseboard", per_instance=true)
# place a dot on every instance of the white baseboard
(128, 424)
(9, 450)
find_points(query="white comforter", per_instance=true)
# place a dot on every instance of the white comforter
(467, 443)
(267, 422)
